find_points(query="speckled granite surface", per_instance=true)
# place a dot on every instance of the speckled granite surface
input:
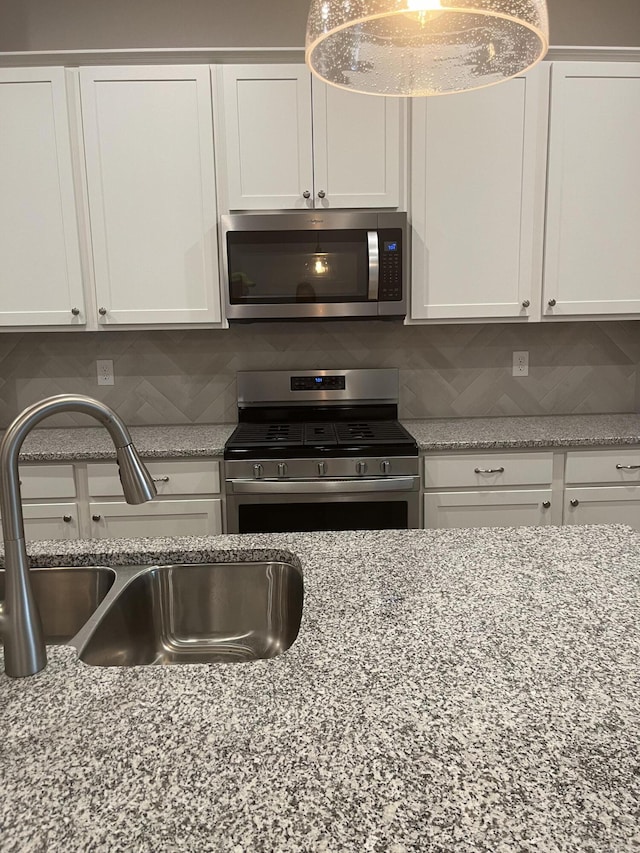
(45, 445)
(550, 431)
(462, 691)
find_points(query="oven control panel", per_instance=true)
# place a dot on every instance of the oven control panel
(318, 383)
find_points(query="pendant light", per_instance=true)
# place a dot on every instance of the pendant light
(424, 47)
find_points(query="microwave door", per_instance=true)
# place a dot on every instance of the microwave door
(374, 265)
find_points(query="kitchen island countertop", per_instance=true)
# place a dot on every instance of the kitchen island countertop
(452, 691)
(194, 440)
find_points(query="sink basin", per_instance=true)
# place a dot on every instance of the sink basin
(199, 613)
(67, 597)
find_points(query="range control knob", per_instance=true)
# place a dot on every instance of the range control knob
(322, 469)
(361, 467)
(257, 471)
(385, 467)
(282, 469)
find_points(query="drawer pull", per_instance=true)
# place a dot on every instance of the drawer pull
(489, 470)
(575, 502)
(546, 504)
(67, 519)
(160, 479)
(628, 467)
(96, 517)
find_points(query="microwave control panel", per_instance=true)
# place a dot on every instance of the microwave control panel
(390, 247)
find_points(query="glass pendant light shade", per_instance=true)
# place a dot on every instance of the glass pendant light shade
(424, 47)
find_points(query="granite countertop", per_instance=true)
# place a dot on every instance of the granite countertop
(189, 440)
(453, 691)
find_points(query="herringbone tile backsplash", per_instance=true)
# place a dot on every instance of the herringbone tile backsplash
(445, 371)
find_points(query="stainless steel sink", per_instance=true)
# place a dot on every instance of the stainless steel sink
(196, 613)
(67, 597)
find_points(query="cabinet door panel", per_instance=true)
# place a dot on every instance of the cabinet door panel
(356, 148)
(118, 519)
(487, 509)
(608, 505)
(149, 152)
(478, 190)
(267, 144)
(40, 276)
(51, 521)
(593, 205)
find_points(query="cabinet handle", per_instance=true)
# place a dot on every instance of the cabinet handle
(306, 194)
(552, 303)
(627, 467)
(321, 194)
(546, 504)
(102, 311)
(75, 312)
(96, 517)
(489, 470)
(526, 303)
(160, 479)
(575, 502)
(67, 519)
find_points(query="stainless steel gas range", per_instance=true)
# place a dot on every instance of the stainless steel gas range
(320, 450)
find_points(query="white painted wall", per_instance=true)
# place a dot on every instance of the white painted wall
(80, 24)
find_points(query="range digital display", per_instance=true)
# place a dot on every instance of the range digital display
(318, 383)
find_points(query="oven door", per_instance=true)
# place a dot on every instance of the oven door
(296, 506)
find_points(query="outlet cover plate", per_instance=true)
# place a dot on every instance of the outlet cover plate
(104, 368)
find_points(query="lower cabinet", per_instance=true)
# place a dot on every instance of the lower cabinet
(117, 519)
(602, 487)
(502, 508)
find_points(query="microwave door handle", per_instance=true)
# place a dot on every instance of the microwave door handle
(374, 265)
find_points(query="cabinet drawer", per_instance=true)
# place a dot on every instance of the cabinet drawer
(474, 470)
(40, 482)
(603, 466)
(171, 476)
(50, 521)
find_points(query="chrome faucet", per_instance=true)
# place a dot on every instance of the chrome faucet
(20, 625)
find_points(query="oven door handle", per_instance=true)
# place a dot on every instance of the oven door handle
(320, 487)
(374, 265)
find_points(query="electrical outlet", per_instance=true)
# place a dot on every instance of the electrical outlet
(105, 371)
(521, 363)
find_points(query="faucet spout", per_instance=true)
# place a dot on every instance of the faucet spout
(24, 648)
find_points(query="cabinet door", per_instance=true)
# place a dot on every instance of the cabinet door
(478, 201)
(356, 148)
(604, 505)
(266, 136)
(592, 258)
(117, 519)
(149, 152)
(488, 508)
(51, 521)
(40, 276)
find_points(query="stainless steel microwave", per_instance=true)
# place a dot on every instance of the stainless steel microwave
(315, 265)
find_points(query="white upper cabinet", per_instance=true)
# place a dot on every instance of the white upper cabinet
(592, 261)
(288, 142)
(478, 182)
(40, 275)
(148, 139)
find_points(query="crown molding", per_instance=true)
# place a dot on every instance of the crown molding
(239, 55)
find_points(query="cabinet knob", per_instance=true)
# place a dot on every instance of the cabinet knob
(552, 303)
(102, 311)
(526, 303)
(96, 517)
(75, 312)
(306, 194)
(321, 194)
(67, 519)
(575, 502)
(546, 504)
